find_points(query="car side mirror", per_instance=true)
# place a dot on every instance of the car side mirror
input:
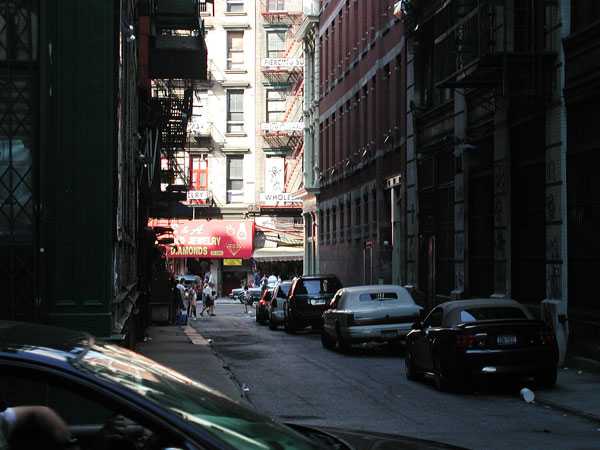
(418, 325)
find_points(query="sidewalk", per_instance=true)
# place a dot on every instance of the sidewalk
(577, 392)
(183, 349)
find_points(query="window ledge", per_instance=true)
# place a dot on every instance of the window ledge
(233, 13)
(236, 134)
(234, 71)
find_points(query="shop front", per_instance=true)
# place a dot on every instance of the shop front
(216, 250)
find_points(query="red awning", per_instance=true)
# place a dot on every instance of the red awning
(211, 239)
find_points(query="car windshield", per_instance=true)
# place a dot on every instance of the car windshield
(319, 287)
(487, 313)
(190, 400)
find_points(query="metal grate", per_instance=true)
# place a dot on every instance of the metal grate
(18, 155)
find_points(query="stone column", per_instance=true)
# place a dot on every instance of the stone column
(554, 307)
(409, 257)
(502, 204)
(460, 126)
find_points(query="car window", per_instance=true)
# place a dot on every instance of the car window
(434, 319)
(92, 417)
(490, 313)
(318, 286)
(283, 290)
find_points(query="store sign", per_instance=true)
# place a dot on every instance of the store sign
(277, 127)
(279, 199)
(220, 239)
(232, 262)
(198, 195)
(283, 63)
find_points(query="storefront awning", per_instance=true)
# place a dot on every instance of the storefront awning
(279, 254)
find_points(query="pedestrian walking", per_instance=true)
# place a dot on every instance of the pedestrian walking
(207, 300)
(193, 302)
(246, 299)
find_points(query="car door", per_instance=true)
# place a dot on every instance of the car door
(96, 417)
(425, 337)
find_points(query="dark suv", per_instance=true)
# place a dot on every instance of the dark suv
(308, 298)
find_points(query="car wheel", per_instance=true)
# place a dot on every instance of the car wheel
(411, 370)
(546, 380)
(272, 324)
(442, 380)
(326, 340)
(342, 345)
(289, 326)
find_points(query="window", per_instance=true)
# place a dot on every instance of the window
(276, 5)
(235, 6)
(276, 100)
(235, 111)
(235, 179)
(490, 313)
(318, 287)
(276, 44)
(235, 50)
(334, 225)
(342, 222)
(379, 296)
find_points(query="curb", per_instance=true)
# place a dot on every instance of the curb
(197, 339)
(568, 410)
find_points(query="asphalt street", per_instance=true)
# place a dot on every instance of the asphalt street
(293, 378)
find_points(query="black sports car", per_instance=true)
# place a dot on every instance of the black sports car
(487, 337)
(114, 398)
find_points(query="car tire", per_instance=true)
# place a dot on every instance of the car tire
(272, 325)
(411, 370)
(326, 340)
(546, 380)
(442, 380)
(289, 326)
(342, 345)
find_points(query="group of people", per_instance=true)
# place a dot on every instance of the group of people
(188, 297)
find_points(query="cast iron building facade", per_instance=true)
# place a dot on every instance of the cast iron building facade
(75, 170)
(485, 187)
(582, 95)
(361, 140)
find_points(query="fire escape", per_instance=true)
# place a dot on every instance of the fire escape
(177, 63)
(497, 45)
(287, 73)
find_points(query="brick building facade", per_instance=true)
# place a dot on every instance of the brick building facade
(361, 135)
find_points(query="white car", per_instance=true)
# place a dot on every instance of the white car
(383, 313)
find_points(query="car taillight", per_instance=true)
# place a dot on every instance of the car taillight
(464, 341)
(262, 303)
(547, 337)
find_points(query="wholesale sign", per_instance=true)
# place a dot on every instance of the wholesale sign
(218, 239)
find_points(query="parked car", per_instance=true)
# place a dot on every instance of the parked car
(114, 398)
(275, 306)
(262, 313)
(487, 337)
(383, 313)
(237, 294)
(254, 293)
(308, 299)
